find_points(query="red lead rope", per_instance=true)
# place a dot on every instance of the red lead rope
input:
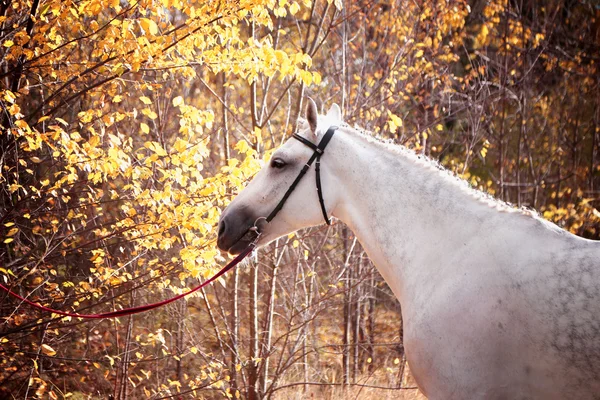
(135, 310)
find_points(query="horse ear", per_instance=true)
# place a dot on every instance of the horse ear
(311, 115)
(334, 113)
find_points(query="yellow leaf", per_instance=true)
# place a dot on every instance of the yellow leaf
(94, 141)
(394, 122)
(177, 101)
(21, 124)
(180, 145)
(8, 43)
(144, 128)
(242, 146)
(14, 110)
(12, 231)
(47, 350)
(8, 240)
(258, 134)
(149, 113)
(10, 96)
(157, 148)
(294, 8)
(62, 121)
(306, 77)
(419, 53)
(316, 78)
(145, 100)
(149, 26)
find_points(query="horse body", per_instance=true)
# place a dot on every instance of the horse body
(496, 303)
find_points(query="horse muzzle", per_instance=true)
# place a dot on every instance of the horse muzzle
(235, 230)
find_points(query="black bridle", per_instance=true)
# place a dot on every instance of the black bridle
(318, 152)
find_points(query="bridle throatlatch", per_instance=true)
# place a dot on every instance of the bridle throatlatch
(318, 152)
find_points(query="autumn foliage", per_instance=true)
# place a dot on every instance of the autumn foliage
(127, 126)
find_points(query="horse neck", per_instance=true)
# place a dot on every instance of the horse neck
(407, 214)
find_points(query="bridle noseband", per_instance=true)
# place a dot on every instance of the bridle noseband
(318, 152)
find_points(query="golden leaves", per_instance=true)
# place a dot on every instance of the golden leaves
(484, 148)
(8, 96)
(114, 163)
(149, 26)
(156, 148)
(394, 122)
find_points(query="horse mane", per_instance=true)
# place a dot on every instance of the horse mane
(433, 166)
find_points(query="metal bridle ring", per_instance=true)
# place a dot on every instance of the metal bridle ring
(255, 227)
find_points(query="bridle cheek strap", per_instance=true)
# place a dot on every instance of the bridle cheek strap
(319, 150)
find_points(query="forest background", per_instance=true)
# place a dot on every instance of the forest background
(127, 126)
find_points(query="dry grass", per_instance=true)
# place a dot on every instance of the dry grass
(337, 393)
(377, 386)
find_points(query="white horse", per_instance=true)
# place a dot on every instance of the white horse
(496, 302)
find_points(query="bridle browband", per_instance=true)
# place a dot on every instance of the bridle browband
(318, 151)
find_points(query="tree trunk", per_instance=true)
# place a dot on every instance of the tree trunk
(253, 384)
(356, 321)
(268, 332)
(371, 323)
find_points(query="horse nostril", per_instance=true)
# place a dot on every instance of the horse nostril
(221, 228)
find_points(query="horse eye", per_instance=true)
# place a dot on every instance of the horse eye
(277, 163)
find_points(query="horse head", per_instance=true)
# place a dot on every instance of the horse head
(248, 214)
